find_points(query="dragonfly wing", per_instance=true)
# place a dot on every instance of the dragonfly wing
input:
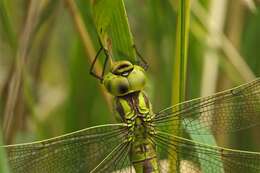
(117, 161)
(232, 110)
(82, 151)
(197, 157)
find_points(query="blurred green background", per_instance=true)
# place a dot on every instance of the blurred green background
(57, 95)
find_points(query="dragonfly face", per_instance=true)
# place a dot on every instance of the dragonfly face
(124, 78)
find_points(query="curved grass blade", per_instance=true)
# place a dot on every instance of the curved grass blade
(243, 101)
(113, 28)
(80, 151)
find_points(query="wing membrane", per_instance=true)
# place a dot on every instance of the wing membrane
(80, 151)
(117, 160)
(196, 154)
(232, 110)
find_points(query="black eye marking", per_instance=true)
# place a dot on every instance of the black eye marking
(122, 88)
(122, 66)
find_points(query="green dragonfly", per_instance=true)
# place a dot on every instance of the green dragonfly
(142, 141)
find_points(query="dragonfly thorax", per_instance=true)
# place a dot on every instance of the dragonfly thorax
(124, 78)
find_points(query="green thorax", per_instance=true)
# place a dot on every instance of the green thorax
(132, 105)
(135, 110)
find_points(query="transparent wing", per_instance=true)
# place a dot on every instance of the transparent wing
(198, 157)
(231, 110)
(96, 149)
(117, 161)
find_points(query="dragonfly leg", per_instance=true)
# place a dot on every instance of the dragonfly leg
(145, 64)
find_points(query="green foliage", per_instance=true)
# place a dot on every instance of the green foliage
(113, 28)
(3, 160)
(7, 29)
(251, 42)
(63, 97)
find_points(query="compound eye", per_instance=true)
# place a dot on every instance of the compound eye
(117, 85)
(120, 86)
(123, 88)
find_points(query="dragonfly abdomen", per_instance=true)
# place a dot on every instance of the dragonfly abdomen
(143, 157)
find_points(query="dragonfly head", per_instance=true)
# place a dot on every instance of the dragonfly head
(124, 78)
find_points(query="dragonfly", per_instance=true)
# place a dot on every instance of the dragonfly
(142, 140)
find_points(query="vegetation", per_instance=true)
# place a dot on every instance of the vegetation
(46, 48)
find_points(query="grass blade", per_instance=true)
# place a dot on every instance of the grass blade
(180, 63)
(113, 28)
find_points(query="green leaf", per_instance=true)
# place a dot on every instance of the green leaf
(113, 28)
